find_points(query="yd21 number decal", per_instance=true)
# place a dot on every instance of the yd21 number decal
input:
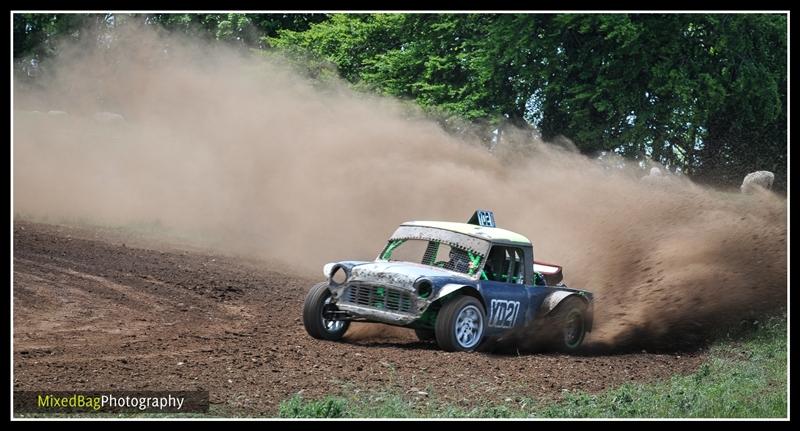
(503, 313)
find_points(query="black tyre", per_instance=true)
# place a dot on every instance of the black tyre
(425, 334)
(569, 322)
(316, 325)
(460, 325)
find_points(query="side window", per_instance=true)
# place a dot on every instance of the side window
(505, 264)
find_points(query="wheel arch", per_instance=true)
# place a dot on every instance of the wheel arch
(449, 291)
(553, 300)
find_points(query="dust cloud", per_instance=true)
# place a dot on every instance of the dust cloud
(255, 159)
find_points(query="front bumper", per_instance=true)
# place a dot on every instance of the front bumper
(374, 314)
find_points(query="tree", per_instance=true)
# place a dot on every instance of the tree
(704, 94)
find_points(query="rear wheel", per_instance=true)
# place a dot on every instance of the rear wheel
(460, 324)
(317, 301)
(570, 321)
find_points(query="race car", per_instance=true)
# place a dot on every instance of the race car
(466, 286)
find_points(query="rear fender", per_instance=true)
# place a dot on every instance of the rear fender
(552, 300)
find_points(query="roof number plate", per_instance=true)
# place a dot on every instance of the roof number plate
(483, 218)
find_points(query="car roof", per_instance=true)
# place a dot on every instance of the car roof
(493, 234)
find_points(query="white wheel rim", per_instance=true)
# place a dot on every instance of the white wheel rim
(331, 325)
(469, 326)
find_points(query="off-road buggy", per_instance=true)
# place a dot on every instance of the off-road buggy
(465, 285)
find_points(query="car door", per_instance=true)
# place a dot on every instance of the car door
(506, 295)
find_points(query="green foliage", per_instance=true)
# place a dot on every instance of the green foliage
(296, 407)
(686, 90)
(701, 93)
(35, 35)
(704, 94)
(235, 28)
(443, 67)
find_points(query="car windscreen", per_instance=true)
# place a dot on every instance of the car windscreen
(433, 253)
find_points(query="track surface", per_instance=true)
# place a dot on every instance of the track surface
(96, 309)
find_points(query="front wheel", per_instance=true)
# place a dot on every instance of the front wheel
(318, 298)
(460, 325)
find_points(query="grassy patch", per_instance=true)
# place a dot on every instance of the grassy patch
(745, 376)
(742, 378)
(329, 407)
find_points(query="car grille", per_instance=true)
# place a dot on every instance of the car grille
(380, 297)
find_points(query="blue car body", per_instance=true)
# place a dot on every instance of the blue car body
(410, 293)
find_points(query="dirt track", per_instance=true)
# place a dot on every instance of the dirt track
(96, 310)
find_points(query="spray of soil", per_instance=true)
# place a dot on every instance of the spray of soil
(256, 160)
